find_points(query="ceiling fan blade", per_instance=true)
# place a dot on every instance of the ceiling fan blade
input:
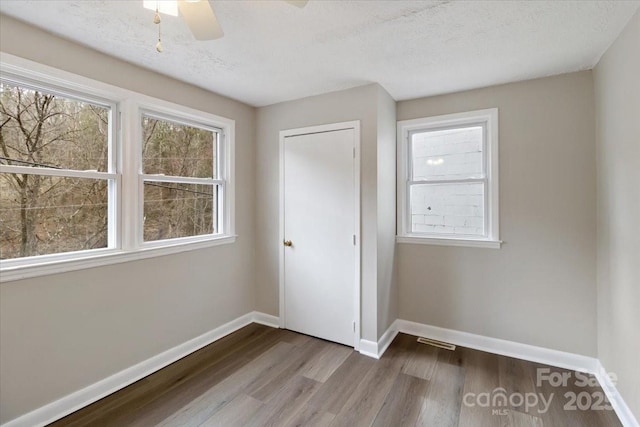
(201, 20)
(298, 3)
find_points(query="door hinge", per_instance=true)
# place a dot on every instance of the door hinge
(354, 152)
(354, 326)
(354, 240)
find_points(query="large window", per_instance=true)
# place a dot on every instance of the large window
(58, 178)
(448, 179)
(92, 174)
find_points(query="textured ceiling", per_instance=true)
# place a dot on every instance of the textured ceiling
(273, 52)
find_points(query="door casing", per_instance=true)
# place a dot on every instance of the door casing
(355, 125)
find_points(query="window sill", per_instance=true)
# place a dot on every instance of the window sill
(438, 241)
(107, 257)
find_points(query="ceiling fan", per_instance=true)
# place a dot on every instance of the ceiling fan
(198, 14)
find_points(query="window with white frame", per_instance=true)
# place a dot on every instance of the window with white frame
(448, 179)
(58, 177)
(182, 179)
(92, 174)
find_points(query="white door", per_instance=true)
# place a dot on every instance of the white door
(319, 222)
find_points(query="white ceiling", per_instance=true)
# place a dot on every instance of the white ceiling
(273, 52)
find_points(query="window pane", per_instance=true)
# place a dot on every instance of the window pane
(178, 210)
(456, 209)
(41, 129)
(44, 214)
(177, 150)
(447, 154)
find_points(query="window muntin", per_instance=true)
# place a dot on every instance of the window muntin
(447, 178)
(183, 185)
(56, 182)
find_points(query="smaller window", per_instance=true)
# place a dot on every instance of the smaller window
(448, 179)
(182, 179)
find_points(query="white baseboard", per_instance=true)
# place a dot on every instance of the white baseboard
(617, 402)
(81, 398)
(266, 319)
(369, 348)
(385, 340)
(532, 353)
(377, 349)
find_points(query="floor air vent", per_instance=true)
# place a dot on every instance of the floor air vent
(435, 343)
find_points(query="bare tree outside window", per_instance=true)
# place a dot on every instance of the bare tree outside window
(55, 180)
(41, 214)
(178, 209)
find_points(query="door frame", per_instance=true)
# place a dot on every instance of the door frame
(355, 125)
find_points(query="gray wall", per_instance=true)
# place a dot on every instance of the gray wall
(617, 93)
(63, 332)
(540, 287)
(354, 104)
(387, 273)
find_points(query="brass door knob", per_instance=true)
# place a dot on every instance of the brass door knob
(287, 243)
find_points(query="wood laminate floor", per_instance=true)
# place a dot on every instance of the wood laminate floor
(260, 376)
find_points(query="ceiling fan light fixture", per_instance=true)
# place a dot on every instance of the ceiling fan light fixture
(298, 3)
(168, 7)
(197, 14)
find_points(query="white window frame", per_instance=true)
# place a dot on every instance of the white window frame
(111, 176)
(488, 119)
(216, 181)
(125, 202)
